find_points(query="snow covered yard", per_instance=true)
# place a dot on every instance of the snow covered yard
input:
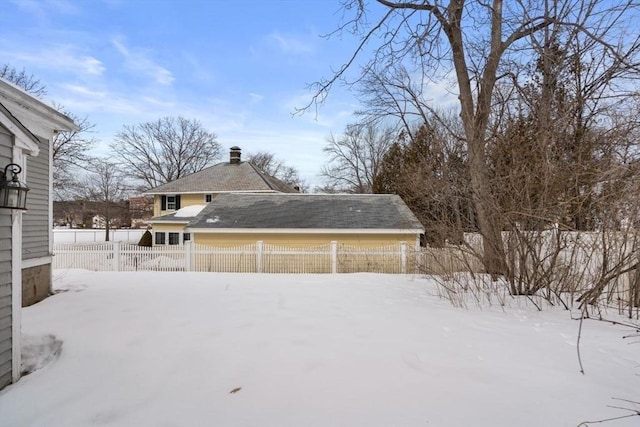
(208, 349)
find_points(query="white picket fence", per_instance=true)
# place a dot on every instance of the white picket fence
(94, 235)
(253, 258)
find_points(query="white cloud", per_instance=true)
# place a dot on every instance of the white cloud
(198, 71)
(42, 9)
(139, 61)
(61, 58)
(290, 44)
(158, 103)
(92, 66)
(83, 91)
(332, 114)
(442, 93)
(120, 47)
(256, 98)
(62, 6)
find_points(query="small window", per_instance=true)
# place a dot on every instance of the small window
(171, 203)
(174, 238)
(186, 237)
(160, 238)
(208, 198)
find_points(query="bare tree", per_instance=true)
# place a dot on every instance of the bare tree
(396, 93)
(162, 151)
(355, 158)
(481, 42)
(27, 82)
(71, 154)
(70, 149)
(106, 185)
(271, 165)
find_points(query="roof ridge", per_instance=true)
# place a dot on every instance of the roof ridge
(262, 174)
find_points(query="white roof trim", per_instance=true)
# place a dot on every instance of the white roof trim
(17, 97)
(168, 221)
(305, 230)
(183, 192)
(23, 140)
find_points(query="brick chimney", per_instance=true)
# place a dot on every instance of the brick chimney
(234, 155)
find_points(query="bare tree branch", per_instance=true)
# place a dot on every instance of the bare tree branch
(165, 150)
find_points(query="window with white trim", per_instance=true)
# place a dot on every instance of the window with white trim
(174, 238)
(171, 203)
(160, 238)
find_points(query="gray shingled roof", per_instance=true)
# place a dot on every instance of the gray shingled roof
(224, 176)
(306, 211)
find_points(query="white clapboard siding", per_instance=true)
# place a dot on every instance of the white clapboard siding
(5, 273)
(35, 221)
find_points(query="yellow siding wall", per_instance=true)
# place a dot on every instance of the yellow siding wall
(185, 200)
(303, 240)
(168, 227)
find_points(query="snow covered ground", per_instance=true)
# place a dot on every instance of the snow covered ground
(207, 349)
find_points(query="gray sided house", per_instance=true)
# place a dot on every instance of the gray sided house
(27, 127)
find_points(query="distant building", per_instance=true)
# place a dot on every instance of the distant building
(89, 214)
(141, 210)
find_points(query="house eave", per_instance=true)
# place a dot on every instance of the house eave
(181, 192)
(19, 102)
(167, 221)
(24, 139)
(306, 230)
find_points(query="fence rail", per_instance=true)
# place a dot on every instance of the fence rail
(95, 235)
(259, 258)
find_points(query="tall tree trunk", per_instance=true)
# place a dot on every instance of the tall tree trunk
(487, 211)
(107, 219)
(475, 119)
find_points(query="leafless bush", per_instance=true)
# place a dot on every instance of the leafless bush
(594, 271)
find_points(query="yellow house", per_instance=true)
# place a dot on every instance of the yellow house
(200, 188)
(292, 220)
(235, 203)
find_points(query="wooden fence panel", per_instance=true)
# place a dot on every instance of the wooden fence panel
(238, 259)
(355, 259)
(280, 259)
(143, 258)
(263, 258)
(87, 256)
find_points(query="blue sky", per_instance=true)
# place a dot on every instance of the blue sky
(241, 67)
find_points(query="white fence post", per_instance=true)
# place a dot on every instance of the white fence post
(403, 257)
(259, 253)
(116, 256)
(334, 257)
(188, 256)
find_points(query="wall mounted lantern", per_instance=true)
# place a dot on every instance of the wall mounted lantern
(13, 193)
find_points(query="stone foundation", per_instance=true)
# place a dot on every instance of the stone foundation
(36, 284)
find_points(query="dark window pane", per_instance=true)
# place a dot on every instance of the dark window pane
(160, 238)
(174, 238)
(171, 203)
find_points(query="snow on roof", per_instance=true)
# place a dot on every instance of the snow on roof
(189, 211)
